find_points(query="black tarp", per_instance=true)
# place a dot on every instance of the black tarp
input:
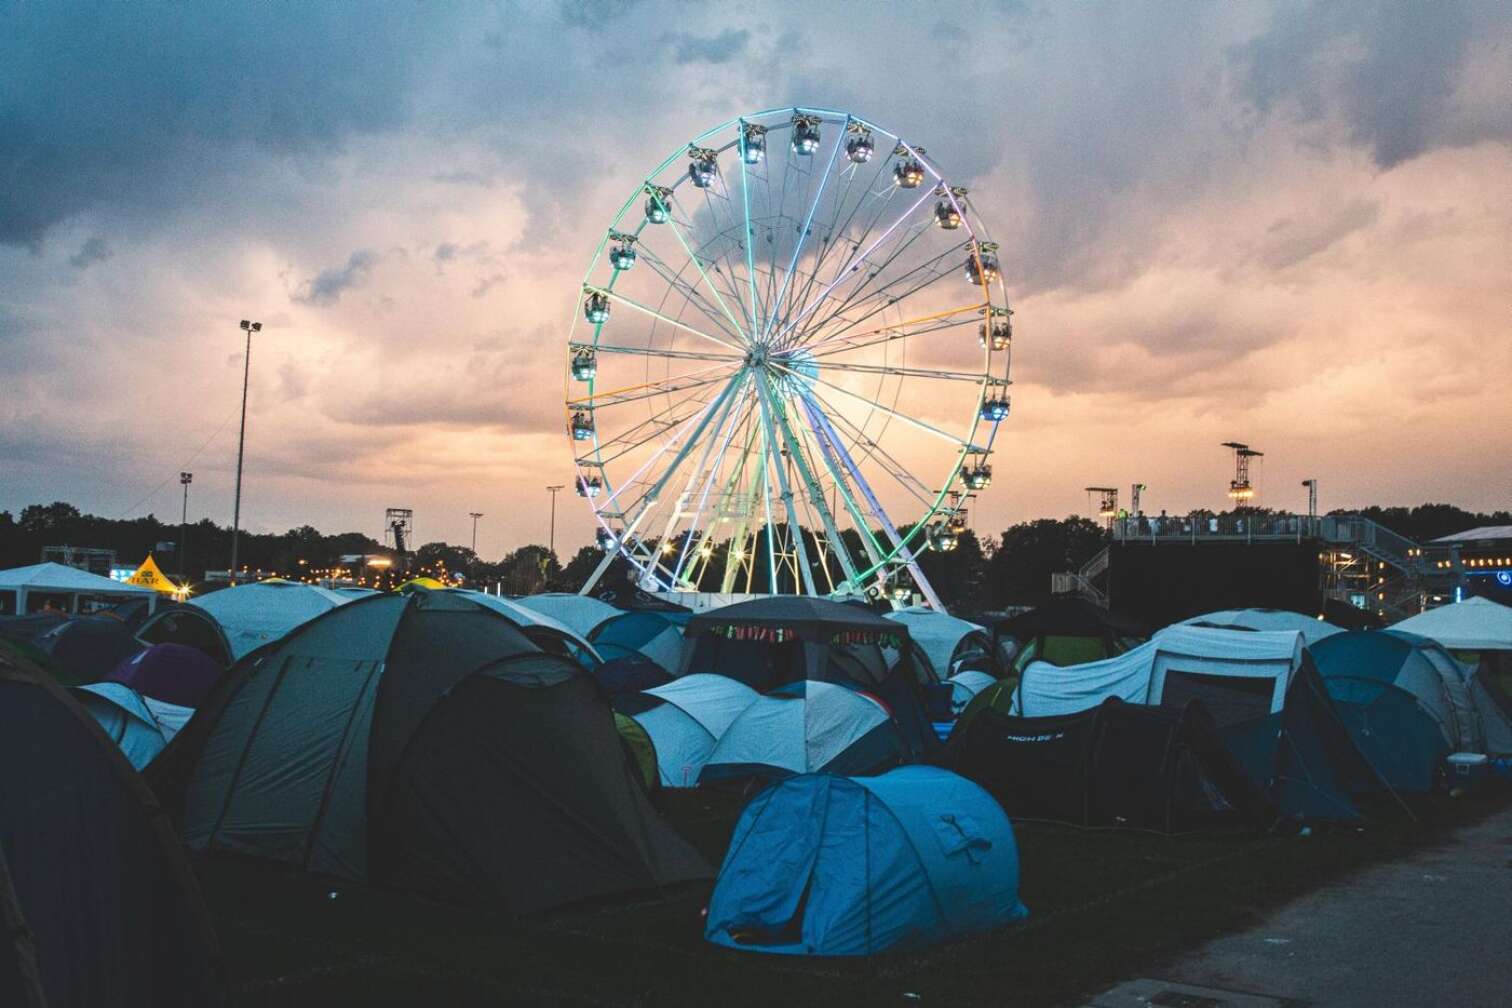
(97, 903)
(1117, 764)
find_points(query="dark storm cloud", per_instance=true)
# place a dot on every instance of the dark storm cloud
(1389, 70)
(326, 287)
(720, 48)
(94, 250)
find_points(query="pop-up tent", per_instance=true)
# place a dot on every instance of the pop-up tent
(685, 719)
(239, 620)
(964, 687)
(772, 642)
(86, 648)
(944, 639)
(98, 903)
(807, 727)
(1064, 631)
(1117, 764)
(547, 633)
(845, 866)
(580, 612)
(1263, 692)
(1311, 628)
(652, 635)
(148, 697)
(422, 741)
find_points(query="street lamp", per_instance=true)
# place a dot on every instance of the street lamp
(241, 441)
(185, 478)
(551, 539)
(475, 515)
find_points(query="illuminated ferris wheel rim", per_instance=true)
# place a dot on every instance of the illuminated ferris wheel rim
(775, 353)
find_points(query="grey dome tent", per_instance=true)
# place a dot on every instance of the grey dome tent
(1312, 629)
(422, 741)
(98, 904)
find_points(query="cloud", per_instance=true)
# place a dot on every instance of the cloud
(94, 250)
(327, 286)
(721, 48)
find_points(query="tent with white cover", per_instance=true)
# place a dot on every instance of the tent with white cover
(687, 719)
(243, 618)
(27, 589)
(1476, 624)
(944, 638)
(536, 625)
(1311, 628)
(581, 612)
(807, 727)
(1260, 686)
(123, 714)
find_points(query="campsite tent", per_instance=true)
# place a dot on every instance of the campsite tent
(1064, 631)
(944, 638)
(1311, 629)
(423, 741)
(86, 648)
(1476, 624)
(539, 627)
(233, 622)
(807, 727)
(1261, 688)
(685, 719)
(170, 673)
(649, 634)
(964, 687)
(123, 715)
(826, 865)
(771, 642)
(1449, 692)
(29, 589)
(1117, 764)
(99, 905)
(580, 612)
(148, 697)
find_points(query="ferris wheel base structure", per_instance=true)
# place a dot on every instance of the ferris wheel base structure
(789, 365)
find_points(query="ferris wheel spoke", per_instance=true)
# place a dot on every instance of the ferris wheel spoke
(907, 372)
(803, 233)
(674, 323)
(928, 324)
(815, 489)
(677, 232)
(872, 404)
(649, 390)
(879, 299)
(687, 433)
(795, 529)
(836, 459)
(642, 432)
(647, 351)
(690, 292)
(708, 472)
(869, 447)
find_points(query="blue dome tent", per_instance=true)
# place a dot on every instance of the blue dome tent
(845, 866)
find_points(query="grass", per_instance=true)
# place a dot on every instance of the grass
(1104, 905)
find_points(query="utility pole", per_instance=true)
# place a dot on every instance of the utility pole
(241, 441)
(475, 515)
(551, 539)
(185, 478)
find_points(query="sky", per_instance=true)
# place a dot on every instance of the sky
(1285, 224)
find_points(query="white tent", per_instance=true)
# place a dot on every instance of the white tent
(1311, 628)
(965, 685)
(525, 616)
(695, 713)
(252, 615)
(55, 579)
(809, 727)
(581, 612)
(139, 725)
(938, 634)
(1139, 675)
(1476, 624)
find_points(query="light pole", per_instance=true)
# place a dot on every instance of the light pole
(551, 538)
(185, 478)
(475, 515)
(241, 441)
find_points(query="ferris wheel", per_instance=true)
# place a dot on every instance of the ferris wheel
(790, 362)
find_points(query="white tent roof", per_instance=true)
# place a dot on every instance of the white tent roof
(252, 615)
(1485, 533)
(526, 616)
(799, 734)
(1476, 624)
(56, 577)
(1138, 675)
(936, 632)
(1311, 628)
(581, 612)
(714, 701)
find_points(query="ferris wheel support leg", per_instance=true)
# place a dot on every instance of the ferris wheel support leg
(598, 572)
(795, 530)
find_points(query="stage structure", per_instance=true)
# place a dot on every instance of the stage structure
(789, 363)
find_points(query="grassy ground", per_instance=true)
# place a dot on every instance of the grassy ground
(1104, 905)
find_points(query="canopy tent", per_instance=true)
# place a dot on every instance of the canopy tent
(58, 586)
(1476, 624)
(86, 648)
(1065, 631)
(653, 635)
(1311, 629)
(423, 741)
(686, 718)
(1261, 688)
(826, 865)
(772, 642)
(425, 583)
(1117, 764)
(1449, 692)
(539, 627)
(944, 638)
(99, 904)
(580, 612)
(122, 713)
(150, 575)
(807, 727)
(245, 617)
